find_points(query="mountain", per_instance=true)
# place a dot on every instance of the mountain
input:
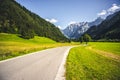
(96, 21)
(16, 19)
(74, 31)
(108, 29)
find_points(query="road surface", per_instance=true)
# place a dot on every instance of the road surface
(42, 65)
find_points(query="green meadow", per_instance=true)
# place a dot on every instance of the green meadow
(11, 45)
(85, 64)
(112, 47)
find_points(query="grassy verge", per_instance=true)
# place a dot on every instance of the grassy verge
(107, 46)
(83, 64)
(11, 45)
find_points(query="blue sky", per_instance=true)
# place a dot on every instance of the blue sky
(64, 12)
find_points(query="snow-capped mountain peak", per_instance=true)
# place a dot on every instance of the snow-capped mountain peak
(75, 30)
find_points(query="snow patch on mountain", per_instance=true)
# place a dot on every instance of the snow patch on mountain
(75, 30)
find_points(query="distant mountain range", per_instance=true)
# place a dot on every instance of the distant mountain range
(16, 19)
(74, 31)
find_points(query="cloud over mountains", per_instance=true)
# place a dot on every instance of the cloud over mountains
(109, 11)
(52, 20)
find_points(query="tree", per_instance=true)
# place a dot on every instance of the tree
(86, 38)
(27, 34)
(81, 39)
(69, 40)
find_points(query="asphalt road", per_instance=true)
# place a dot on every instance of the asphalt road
(42, 65)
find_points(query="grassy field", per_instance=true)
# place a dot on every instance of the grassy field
(11, 45)
(107, 46)
(84, 64)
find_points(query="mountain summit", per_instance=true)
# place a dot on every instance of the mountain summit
(74, 31)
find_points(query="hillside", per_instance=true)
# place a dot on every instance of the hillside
(11, 45)
(14, 38)
(109, 29)
(16, 19)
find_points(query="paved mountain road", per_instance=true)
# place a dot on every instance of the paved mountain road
(42, 65)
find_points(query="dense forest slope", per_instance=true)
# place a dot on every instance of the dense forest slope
(16, 19)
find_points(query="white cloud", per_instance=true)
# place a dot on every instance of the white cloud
(59, 27)
(72, 22)
(104, 12)
(114, 8)
(111, 10)
(52, 20)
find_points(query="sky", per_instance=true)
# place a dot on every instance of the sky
(64, 12)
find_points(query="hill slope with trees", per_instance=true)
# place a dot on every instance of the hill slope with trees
(16, 19)
(109, 29)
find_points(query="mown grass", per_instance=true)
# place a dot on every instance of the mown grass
(113, 47)
(83, 64)
(11, 45)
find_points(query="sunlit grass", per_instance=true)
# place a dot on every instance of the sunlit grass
(83, 64)
(107, 46)
(11, 45)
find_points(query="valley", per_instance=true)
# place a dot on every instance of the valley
(59, 40)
